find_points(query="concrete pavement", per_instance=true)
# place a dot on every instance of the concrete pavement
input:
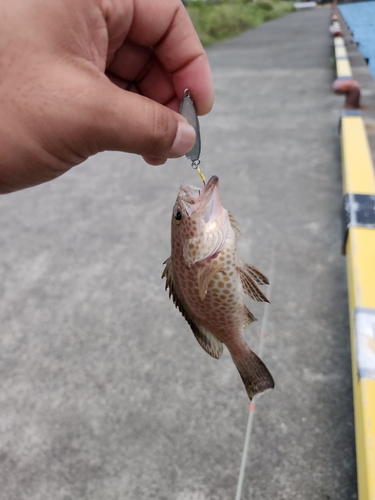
(104, 392)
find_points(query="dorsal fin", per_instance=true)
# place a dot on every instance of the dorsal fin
(249, 285)
(205, 338)
(235, 225)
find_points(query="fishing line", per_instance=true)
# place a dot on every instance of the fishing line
(252, 407)
(195, 165)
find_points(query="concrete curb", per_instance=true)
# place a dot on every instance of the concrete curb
(359, 246)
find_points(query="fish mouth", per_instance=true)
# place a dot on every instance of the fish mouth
(206, 200)
(210, 197)
(211, 184)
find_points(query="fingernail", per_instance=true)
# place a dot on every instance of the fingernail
(184, 140)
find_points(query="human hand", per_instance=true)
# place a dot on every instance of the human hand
(58, 102)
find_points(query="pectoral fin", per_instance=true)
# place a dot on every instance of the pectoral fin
(205, 338)
(249, 284)
(205, 275)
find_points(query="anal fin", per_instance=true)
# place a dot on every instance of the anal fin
(207, 340)
(249, 317)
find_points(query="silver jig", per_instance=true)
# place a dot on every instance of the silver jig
(187, 110)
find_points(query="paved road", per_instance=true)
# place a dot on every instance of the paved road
(105, 393)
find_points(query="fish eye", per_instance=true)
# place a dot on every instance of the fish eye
(177, 217)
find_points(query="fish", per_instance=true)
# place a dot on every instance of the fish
(208, 282)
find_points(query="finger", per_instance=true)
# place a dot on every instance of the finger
(130, 60)
(129, 122)
(173, 104)
(139, 65)
(166, 26)
(123, 84)
(154, 161)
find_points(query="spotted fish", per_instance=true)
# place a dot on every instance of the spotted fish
(208, 281)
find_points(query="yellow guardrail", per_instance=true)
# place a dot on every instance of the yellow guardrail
(359, 181)
(358, 172)
(339, 41)
(340, 51)
(359, 245)
(343, 68)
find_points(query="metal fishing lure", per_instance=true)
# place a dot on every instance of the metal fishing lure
(187, 110)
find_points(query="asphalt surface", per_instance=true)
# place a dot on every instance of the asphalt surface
(104, 392)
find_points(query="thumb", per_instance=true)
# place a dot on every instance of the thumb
(133, 123)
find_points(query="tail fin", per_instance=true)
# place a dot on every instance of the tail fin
(254, 373)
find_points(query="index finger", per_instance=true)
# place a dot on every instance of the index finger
(166, 26)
